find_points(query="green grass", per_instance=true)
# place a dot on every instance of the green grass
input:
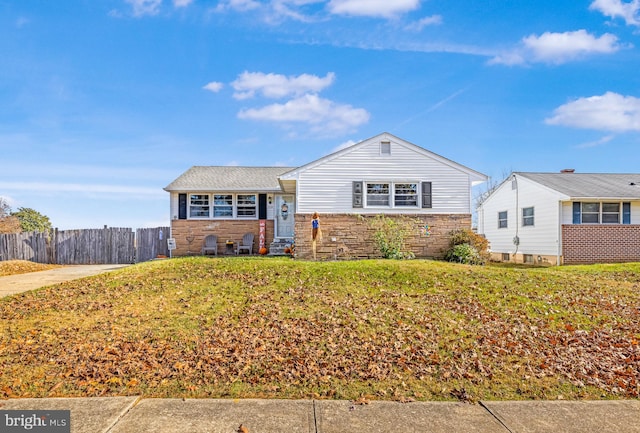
(279, 328)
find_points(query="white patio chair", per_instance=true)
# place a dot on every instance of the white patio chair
(210, 245)
(246, 244)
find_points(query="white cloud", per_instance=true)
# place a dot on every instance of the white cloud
(145, 7)
(82, 188)
(629, 11)
(558, 48)
(182, 3)
(214, 86)
(21, 22)
(344, 145)
(372, 8)
(609, 112)
(596, 143)
(237, 5)
(278, 86)
(417, 26)
(322, 114)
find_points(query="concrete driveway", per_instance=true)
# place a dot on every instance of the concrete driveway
(19, 283)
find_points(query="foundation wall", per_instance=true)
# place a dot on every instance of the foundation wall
(350, 236)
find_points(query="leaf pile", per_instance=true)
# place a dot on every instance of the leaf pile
(353, 330)
(13, 267)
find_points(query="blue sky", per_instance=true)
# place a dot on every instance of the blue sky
(105, 102)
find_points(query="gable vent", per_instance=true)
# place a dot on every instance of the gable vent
(385, 148)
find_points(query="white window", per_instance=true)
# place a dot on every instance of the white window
(385, 148)
(377, 194)
(199, 205)
(405, 194)
(223, 206)
(591, 213)
(601, 213)
(392, 194)
(527, 216)
(610, 213)
(502, 220)
(246, 206)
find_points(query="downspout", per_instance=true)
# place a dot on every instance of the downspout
(516, 239)
(559, 252)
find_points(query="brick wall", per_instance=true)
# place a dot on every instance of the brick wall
(233, 230)
(583, 244)
(354, 237)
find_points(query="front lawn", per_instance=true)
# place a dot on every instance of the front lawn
(371, 329)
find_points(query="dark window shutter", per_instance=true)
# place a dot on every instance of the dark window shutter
(626, 213)
(357, 195)
(182, 206)
(576, 212)
(426, 195)
(262, 206)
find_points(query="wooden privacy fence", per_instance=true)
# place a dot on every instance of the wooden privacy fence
(86, 246)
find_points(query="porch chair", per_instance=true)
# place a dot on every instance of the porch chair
(246, 244)
(210, 244)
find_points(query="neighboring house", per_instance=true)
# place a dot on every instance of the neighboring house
(381, 175)
(565, 217)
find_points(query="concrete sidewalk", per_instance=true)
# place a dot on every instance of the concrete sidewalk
(134, 414)
(19, 283)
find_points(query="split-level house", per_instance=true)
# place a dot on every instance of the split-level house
(383, 175)
(566, 217)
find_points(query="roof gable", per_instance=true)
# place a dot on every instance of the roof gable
(475, 176)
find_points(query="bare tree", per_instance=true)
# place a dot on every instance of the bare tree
(5, 209)
(8, 222)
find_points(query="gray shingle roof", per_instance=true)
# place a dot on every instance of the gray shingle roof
(590, 185)
(218, 178)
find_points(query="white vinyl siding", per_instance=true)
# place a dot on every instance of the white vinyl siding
(539, 239)
(328, 187)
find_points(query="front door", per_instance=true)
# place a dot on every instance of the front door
(285, 209)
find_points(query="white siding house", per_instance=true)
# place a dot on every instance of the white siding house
(563, 217)
(381, 175)
(326, 185)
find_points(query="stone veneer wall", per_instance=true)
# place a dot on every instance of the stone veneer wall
(584, 244)
(354, 237)
(225, 229)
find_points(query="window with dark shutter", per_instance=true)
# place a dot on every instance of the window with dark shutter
(262, 206)
(426, 195)
(626, 213)
(577, 217)
(357, 195)
(182, 206)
